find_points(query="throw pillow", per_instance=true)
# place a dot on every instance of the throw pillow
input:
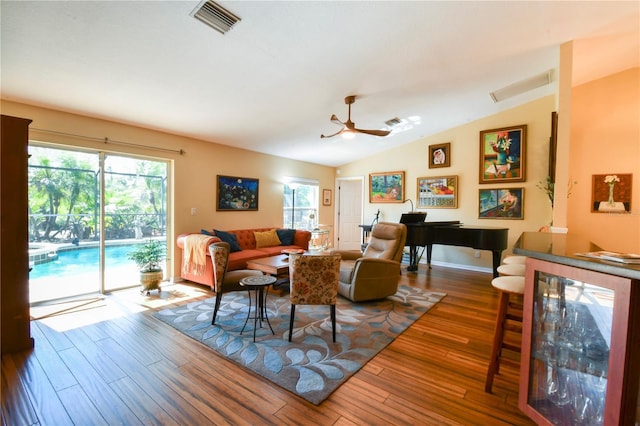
(267, 239)
(230, 238)
(205, 232)
(286, 236)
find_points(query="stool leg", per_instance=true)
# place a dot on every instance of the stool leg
(494, 363)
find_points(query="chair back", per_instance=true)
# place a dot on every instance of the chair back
(387, 241)
(314, 279)
(219, 258)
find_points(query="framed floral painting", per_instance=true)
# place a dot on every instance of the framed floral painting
(438, 192)
(501, 203)
(503, 154)
(386, 187)
(611, 193)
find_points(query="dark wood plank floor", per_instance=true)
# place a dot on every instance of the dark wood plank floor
(109, 361)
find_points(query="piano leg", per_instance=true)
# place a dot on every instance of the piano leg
(413, 262)
(429, 250)
(497, 256)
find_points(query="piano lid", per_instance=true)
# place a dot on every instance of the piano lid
(413, 217)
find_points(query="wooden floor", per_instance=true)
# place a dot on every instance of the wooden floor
(110, 362)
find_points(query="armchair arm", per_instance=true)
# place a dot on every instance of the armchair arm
(348, 254)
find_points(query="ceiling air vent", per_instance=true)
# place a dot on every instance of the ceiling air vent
(523, 86)
(215, 16)
(393, 122)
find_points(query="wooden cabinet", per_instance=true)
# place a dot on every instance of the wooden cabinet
(14, 244)
(580, 346)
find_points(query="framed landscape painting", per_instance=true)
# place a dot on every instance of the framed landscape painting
(386, 187)
(237, 194)
(503, 154)
(501, 203)
(438, 192)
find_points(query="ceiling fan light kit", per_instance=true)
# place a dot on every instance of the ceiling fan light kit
(349, 129)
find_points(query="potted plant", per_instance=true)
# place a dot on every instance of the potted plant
(148, 257)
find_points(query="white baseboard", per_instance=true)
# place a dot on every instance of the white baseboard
(461, 266)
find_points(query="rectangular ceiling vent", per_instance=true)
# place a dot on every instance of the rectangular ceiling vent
(215, 16)
(522, 86)
(393, 122)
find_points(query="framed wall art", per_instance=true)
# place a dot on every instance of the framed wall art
(326, 197)
(440, 155)
(236, 194)
(501, 203)
(386, 187)
(611, 193)
(503, 154)
(438, 192)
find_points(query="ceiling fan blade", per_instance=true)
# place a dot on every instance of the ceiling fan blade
(335, 134)
(373, 132)
(334, 119)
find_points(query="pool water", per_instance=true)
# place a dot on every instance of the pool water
(82, 260)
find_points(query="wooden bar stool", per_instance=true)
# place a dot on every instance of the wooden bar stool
(508, 286)
(517, 269)
(514, 259)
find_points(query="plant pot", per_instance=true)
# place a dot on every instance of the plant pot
(151, 281)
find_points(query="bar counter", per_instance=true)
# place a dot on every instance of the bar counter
(562, 249)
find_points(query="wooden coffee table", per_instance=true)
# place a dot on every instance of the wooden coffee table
(277, 266)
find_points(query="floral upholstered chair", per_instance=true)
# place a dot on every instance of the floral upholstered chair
(314, 281)
(225, 281)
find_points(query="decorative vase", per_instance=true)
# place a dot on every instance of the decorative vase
(611, 202)
(502, 158)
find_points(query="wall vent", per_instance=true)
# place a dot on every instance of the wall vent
(522, 86)
(215, 16)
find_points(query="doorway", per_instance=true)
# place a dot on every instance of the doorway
(87, 212)
(349, 212)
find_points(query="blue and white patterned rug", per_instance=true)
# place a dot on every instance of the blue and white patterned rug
(311, 366)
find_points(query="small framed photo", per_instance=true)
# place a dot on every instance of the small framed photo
(236, 194)
(501, 203)
(326, 197)
(438, 192)
(502, 154)
(611, 193)
(386, 187)
(440, 155)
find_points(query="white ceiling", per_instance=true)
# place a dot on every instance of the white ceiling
(272, 82)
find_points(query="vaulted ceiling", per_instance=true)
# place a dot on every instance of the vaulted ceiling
(272, 82)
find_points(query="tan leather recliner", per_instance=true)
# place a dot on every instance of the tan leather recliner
(373, 274)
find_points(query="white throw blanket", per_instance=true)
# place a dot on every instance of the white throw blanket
(194, 254)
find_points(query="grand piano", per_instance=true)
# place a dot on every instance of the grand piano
(452, 233)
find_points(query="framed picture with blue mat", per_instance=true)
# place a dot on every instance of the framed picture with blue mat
(237, 193)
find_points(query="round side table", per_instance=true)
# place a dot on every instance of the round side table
(257, 284)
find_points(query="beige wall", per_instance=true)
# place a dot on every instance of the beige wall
(194, 173)
(605, 139)
(465, 141)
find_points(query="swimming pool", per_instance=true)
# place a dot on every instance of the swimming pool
(77, 271)
(70, 262)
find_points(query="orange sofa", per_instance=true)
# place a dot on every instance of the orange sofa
(238, 259)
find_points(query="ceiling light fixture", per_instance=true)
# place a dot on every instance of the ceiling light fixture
(522, 86)
(215, 16)
(348, 134)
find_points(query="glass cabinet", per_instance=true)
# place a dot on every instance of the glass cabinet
(580, 347)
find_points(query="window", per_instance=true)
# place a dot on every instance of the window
(300, 203)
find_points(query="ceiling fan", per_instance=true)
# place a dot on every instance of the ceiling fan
(349, 130)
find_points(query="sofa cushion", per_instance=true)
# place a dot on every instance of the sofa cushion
(267, 239)
(230, 238)
(286, 236)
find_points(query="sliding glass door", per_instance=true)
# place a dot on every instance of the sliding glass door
(87, 211)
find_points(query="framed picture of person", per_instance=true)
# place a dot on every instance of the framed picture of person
(501, 203)
(440, 155)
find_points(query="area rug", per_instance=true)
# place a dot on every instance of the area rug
(312, 365)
